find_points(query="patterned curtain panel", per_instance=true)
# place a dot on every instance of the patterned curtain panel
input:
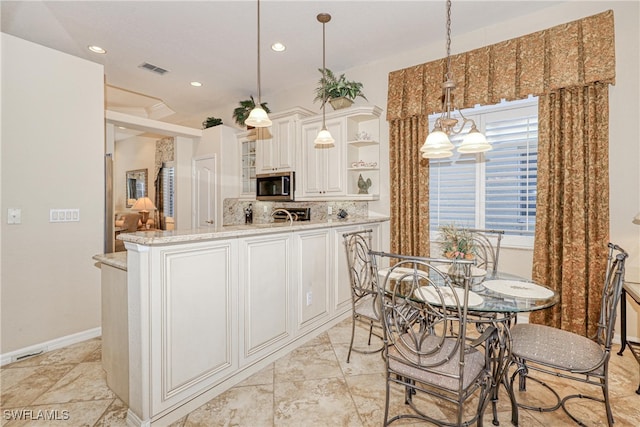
(574, 60)
(572, 213)
(410, 188)
(573, 54)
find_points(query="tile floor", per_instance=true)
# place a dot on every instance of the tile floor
(311, 386)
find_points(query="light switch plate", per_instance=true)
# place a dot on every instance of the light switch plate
(64, 215)
(14, 216)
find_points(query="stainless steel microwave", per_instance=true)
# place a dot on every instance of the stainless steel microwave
(276, 186)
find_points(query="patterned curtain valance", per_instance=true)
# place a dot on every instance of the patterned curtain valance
(568, 55)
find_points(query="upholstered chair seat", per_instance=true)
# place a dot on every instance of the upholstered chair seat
(556, 347)
(442, 376)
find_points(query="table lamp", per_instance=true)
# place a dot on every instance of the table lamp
(144, 205)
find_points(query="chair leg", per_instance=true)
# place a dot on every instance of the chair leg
(607, 404)
(353, 332)
(386, 402)
(370, 332)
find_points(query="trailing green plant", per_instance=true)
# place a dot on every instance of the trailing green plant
(241, 113)
(331, 86)
(211, 122)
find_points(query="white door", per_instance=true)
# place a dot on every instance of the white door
(205, 191)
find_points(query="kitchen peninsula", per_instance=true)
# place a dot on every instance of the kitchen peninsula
(207, 308)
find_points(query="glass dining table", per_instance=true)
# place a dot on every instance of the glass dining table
(495, 300)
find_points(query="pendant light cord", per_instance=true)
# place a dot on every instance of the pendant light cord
(324, 78)
(259, 97)
(448, 38)
(324, 18)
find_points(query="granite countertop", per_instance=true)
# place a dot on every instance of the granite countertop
(151, 238)
(116, 259)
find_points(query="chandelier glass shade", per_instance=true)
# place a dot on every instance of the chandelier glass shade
(437, 145)
(324, 138)
(258, 117)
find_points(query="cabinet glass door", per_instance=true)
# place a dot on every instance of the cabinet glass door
(248, 167)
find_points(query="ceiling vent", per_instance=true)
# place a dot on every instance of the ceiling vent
(153, 68)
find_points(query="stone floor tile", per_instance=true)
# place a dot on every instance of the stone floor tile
(86, 381)
(21, 386)
(239, 406)
(320, 402)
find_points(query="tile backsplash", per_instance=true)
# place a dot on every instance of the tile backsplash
(233, 210)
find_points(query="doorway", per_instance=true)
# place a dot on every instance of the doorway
(204, 189)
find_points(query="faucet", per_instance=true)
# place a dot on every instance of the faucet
(285, 211)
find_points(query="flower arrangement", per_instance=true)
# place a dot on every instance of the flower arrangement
(456, 243)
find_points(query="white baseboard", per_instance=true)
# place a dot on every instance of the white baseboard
(54, 344)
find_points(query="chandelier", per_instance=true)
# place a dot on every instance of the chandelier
(324, 138)
(258, 117)
(437, 145)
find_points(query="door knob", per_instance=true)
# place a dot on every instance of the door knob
(209, 222)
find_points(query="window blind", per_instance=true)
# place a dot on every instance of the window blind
(496, 189)
(168, 190)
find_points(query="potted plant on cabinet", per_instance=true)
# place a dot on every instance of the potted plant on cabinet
(339, 91)
(241, 113)
(211, 122)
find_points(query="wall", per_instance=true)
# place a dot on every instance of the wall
(137, 152)
(52, 157)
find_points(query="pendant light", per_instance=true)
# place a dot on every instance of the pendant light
(324, 138)
(258, 117)
(437, 145)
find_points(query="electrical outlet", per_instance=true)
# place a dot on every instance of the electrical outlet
(309, 298)
(264, 209)
(329, 210)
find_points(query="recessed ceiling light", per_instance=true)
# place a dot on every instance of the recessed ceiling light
(196, 84)
(278, 47)
(96, 49)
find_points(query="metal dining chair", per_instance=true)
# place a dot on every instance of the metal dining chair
(363, 283)
(487, 248)
(568, 355)
(427, 348)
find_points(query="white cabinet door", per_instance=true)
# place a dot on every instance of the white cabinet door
(194, 338)
(312, 161)
(334, 159)
(313, 276)
(265, 295)
(283, 151)
(276, 146)
(323, 169)
(264, 150)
